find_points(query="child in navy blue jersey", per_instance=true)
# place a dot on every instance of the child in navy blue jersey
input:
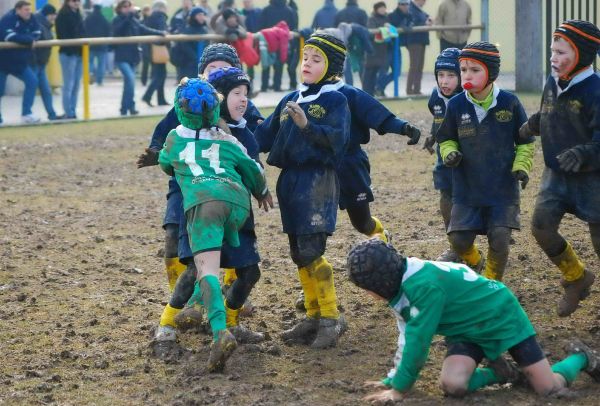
(569, 125)
(306, 137)
(479, 138)
(447, 77)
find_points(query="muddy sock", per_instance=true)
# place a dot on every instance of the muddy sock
(322, 273)
(232, 316)
(213, 300)
(569, 264)
(174, 268)
(196, 298)
(229, 276)
(499, 240)
(309, 287)
(168, 316)
(570, 367)
(481, 378)
(471, 256)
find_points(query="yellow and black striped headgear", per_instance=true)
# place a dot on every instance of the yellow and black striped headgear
(334, 50)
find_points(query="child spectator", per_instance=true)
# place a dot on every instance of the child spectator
(214, 173)
(479, 138)
(306, 137)
(478, 318)
(569, 125)
(447, 77)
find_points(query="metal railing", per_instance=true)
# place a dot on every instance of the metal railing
(85, 44)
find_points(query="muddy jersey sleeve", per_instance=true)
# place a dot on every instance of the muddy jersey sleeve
(164, 157)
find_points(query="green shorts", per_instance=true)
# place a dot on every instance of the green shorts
(211, 223)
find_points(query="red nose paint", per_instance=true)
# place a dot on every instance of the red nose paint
(468, 86)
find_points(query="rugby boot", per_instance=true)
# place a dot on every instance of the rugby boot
(164, 342)
(190, 318)
(243, 335)
(593, 357)
(303, 332)
(165, 333)
(328, 333)
(574, 292)
(221, 350)
(506, 371)
(449, 256)
(300, 303)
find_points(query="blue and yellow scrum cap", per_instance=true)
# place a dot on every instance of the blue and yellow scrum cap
(334, 50)
(197, 104)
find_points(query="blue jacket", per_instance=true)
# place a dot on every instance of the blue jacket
(442, 175)
(398, 19)
(419, 17)
(252, 21)
(14, 29)
(351, 14)
(484, 177)
(276, 11)
(325, 16)
(571, 118)
(126, 25)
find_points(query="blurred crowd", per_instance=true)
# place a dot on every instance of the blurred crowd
(262, 37)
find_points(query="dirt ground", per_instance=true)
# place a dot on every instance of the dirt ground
(82, 282)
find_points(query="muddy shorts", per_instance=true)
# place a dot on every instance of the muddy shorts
(210, 224)
(174, 203)
(355, 179)
(577, 194)
(305, 248)
(526, 353)
(480, 219)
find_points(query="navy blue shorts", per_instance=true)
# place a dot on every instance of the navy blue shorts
(525, 353)
(442, 175)
(576, 193)
(231, 257)
(480, 219)
(174, 204)
(355, 179)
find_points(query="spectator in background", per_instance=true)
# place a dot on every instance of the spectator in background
(127, 56)
(157, 21)
(187, 53)
(228, 22)
(378, 61)
(351, 14)
(18, 26)
(325, 16)
(180, 17)
(401, 18)
(209, 11)
(453, 12)
(146, 56)
(251, 15)
(416, 43)
(45, 18)
(97, 26)
(294, 49)
(276, 11)
(69, 25)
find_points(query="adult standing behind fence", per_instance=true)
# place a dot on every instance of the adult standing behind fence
(127, 56)
(453, 12)
(401, 18)
(45, 18)
(158, 21)
(325, 16)
(18, 26)
(180, 17)
(351, 14)
(378, 61)
(276, 11)
(185, 55)
(97, 26)
(69, 25)
(416, 43)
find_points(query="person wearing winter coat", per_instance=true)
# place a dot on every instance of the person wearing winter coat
(378, 61)
(157, 21)
(188, 52)
(97, 26)
(69, 25)
(416, 43)
(18, 26)
(352, 13)
(325, 16)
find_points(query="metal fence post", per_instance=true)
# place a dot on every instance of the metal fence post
(85, 59)
(396, 66)
(485, 20)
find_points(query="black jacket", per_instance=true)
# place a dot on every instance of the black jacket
(126, 25)
(379, 58)
(399, 19)
(69, 24)
(351, 14)
(97, 26)
(42, 55)
(276, 11)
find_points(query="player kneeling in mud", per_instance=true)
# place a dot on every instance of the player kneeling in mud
(479, 317)
(214, 173)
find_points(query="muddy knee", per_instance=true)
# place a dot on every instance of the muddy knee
(461, 241)
(454, 387)
(242, 286)
(499, 239)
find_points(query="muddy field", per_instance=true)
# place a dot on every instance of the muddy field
(82, 283)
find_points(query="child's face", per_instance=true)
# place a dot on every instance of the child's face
(447, 82)
(200, 18)
(232, 22)
(474, 73)
(215, 65)
(237, 102)
(563, 58)
(313, 65)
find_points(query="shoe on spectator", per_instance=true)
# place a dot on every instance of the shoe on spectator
(148, 102)
(61, 117)
(30, 119)
(134, 112)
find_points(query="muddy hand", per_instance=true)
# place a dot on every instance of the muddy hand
(148, 158)
(429, 143)
(570, 160)
(378, 385)
(297, 114)
(453, 159)
(384, 397)
(521, 176)
(266, 202)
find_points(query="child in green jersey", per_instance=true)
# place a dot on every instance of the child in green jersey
(479, 318)
(215, 174)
